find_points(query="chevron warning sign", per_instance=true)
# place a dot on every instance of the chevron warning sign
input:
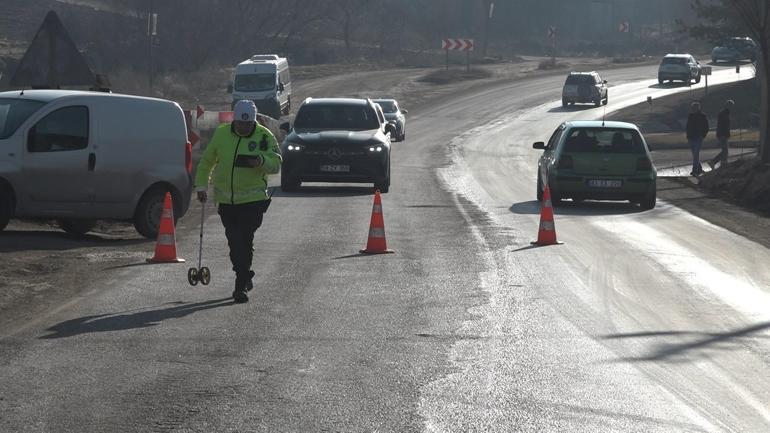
(457, 44)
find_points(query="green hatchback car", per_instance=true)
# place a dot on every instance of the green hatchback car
(597, 160)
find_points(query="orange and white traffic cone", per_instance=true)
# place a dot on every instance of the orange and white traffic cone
(377, 243)
(546, 235)
(165, 249)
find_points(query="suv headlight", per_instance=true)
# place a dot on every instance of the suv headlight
(376, 149)
(294, 147)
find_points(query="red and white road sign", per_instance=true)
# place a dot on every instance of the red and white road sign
(199, 112)
(551, 32)
(457, 44)
(624, 27)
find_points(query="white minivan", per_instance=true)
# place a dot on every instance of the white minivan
(78, 157)
(264, 79)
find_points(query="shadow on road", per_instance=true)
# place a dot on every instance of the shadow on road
(327, 191)
(584, 208)
(21, 240)
(666, 351)
(572, 108)
(128, 320)
(669, 85)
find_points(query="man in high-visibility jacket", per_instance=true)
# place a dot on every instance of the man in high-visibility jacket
(242, 155)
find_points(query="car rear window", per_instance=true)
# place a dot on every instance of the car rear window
(674, 60)
(580, 79)
(13, 112)
(603, 140)
(337, 116)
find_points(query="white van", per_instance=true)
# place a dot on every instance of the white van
(82, 156)
(264, 79)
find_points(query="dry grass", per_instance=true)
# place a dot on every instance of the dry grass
(443, 76)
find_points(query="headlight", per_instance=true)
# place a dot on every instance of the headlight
(293, 147)
(375, 149)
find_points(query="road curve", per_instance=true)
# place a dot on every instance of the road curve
(642, 321)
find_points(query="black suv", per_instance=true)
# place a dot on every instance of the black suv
(336, 140)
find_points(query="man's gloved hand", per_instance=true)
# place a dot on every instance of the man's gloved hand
(257, 161)
(203, 196)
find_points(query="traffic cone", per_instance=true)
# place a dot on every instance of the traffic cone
(377, 243)
(546, 235)
(165, 249)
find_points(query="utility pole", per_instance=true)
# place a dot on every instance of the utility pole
(490, 9)
(152, 31)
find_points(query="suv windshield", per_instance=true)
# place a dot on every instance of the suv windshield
(603, 140)
(580, 79)
(337, 116)
(13, 112)
(387, 106)
(254, 82)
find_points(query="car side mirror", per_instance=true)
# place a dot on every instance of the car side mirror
(405, 111)
(605, 81)
(539, 145)
(229, 88)
(285, 126)
(390, 129)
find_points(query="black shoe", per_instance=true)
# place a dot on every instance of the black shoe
(250, 284)
(240, 296)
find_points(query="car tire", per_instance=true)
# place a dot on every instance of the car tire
(539, 193)
(564, 103)
(661, 81)
(648, 201)
(289, 184)
(149, 210)
(598, 102)
(697, 78)
(6, 208)
(77, 226)
(606, 100)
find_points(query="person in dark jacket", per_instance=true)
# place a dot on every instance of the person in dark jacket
(697, 129)
(723, 134)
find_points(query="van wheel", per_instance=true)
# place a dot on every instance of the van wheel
(77, 226)
(147, 216)
(6, 209)
(288, 107)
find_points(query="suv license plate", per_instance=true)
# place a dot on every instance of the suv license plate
(335, 168)
(602, 183)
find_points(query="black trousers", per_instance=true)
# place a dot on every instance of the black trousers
(241, 221)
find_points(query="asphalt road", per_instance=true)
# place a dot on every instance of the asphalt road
(642, 321)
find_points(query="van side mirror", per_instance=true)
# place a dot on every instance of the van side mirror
(229, 88)
(539, 145)
(285, 126)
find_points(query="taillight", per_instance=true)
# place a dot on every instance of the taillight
(188, 157)
(565, 161)
(643, 164)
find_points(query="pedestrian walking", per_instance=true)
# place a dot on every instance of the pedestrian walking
(242, 154)
(697, 129)
(723, 135)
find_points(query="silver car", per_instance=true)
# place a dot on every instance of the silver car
(679, 67)
(395, 115)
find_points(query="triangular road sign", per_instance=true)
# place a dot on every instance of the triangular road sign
(52, 59)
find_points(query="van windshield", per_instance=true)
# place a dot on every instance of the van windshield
(254, 82)
(603, 140)
(337, 117)
(13, 112)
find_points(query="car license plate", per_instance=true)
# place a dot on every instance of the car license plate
(335, 168)
(603, 183)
